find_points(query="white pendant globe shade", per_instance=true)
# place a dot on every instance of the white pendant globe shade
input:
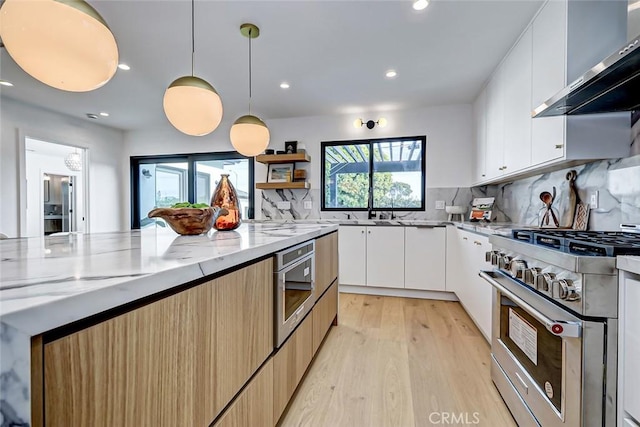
(63, 43)
(249, 135)
(74, 162)
(193, 106)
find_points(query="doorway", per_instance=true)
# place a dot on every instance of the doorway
(56, 188)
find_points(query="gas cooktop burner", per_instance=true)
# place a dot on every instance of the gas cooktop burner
(589, 243)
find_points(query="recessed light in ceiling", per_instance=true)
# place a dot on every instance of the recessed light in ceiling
(420, 4)
(5, 83)
(391, 74)
(92, 116)
(104, 114)
(284, 85)
(124, 67)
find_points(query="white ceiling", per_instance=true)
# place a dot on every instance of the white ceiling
(333, 53)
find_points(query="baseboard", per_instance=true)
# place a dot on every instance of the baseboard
(396, 292)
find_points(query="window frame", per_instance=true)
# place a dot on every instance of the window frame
(371, 142)
(192, 176)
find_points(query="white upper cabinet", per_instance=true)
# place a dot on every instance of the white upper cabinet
(495, 125)
(548, 76)
(517, 111)
(480, 126)
(564, 35)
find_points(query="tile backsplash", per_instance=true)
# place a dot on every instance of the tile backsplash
(617, 182)
(270, 198)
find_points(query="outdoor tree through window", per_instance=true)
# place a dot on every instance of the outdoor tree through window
(386, 173)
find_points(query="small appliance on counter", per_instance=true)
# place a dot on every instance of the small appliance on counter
(482, 209)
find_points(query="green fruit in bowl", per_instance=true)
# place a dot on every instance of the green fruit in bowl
(190, 205)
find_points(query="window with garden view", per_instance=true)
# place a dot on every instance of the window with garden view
(379, 173)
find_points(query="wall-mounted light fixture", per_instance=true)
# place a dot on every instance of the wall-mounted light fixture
(370, 124)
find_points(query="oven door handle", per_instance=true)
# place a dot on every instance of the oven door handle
(557, 327)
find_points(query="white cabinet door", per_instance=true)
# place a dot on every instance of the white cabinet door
(631, 369)
(495, 125)
(385, 257)
(453, 271)
(424, 261)
(352, 253)
(480, 122)
(548, 77)
(483, 291)
(517, 111)
(474, 292)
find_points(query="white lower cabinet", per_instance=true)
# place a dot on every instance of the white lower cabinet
(425, 258)
(393, 257)
(385, 257)
(465, 259)
(629, 349)
(352, 254)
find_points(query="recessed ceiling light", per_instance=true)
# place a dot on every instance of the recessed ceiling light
(104, 114)
(420, 4)
(284, 85)
(5, 83)
(391, 74)
(124, 67)
(92, 116)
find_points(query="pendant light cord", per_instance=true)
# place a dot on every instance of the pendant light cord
(249, 71)
(193, 38)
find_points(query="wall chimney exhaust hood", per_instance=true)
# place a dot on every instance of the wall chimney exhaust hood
(611, 86)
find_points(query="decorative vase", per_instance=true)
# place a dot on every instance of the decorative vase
(226, 198)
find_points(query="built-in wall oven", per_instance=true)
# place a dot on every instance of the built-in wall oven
(294, 279)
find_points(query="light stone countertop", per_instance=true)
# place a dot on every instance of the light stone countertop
(52, 281)
(629, 263)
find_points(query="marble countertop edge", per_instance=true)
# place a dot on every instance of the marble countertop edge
(629, 263)
(36, 311)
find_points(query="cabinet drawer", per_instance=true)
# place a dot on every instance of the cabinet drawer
(254, 406)
(326, 261)
(324, 312)
(289, 365)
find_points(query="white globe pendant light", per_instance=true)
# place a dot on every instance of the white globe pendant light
(63, 43)
(192, 106)
(190, 103)
(249, 135)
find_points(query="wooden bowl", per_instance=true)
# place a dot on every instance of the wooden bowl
(186, 221)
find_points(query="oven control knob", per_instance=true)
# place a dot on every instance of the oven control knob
(504, 263)
(544, 281)
(491, 257)
(564, 289)
(531, 275)
(518, 267)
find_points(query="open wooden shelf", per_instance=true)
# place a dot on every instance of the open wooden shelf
(302, 156)
(282, 185)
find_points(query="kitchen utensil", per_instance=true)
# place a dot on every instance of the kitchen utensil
(581, 220)
(573, 198)
(547, 198)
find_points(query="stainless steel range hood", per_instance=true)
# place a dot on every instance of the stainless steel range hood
(611, 86)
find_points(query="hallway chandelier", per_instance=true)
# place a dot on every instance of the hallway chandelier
(249, 135)
(190, 103)
(73, 161)
(64, 44)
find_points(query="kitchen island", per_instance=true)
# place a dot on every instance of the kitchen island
(54, 288)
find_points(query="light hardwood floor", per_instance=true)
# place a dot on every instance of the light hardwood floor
(399, 362)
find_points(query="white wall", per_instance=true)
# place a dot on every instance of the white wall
(448, 131)
(108, 166)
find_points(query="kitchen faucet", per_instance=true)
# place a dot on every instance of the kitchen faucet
(370, 212)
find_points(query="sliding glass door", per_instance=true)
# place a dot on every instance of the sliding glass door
(161, 181)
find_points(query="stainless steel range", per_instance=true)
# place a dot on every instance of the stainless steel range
(554, 324)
